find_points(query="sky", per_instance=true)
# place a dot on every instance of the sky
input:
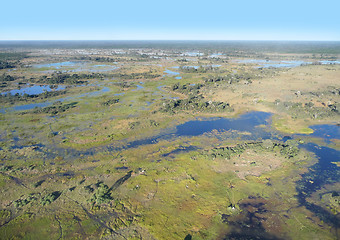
(170, 20)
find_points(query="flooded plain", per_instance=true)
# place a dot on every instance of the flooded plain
(73, 66)
(34, 90)
(283, 64)
(169, 144)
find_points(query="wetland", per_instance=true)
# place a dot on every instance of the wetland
(170, 140)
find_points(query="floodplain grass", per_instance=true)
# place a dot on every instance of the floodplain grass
(167, 196)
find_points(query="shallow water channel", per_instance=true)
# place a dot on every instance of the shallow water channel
(34, 90)
(282, 64)
(256, 125)
(252, 126)
(30, 106)
(74, 66)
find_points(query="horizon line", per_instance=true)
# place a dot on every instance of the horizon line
(206, 40)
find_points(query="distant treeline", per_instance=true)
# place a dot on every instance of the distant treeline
(57, 107)
(144, 75)
(10, 60)
(326, 47)
(200, 69)
(231, 78)
(98, 59)
(194, 103)
(12, 56)
(128, 57)
(6, 64)
(186, 88)
(66, 78)
(5, 79)
(9, 98)
(74, 79)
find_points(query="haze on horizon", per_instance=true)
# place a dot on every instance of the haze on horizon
(172, 20)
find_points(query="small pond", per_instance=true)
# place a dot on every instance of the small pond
(35, 89)
(274, 64)
(139, 87)
(30, 106)
(251, 123)
(169, 72)
(192, 54)
(216, 55)
(282, 64)
(73, 66)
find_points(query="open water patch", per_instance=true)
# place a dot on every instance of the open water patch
(322, 173)
(284, 64)
(273, 64)
(326, 131)
(74, 66)
(30, 106)
(171, 73)
(248, 122)
(34, 90)
(252, 123)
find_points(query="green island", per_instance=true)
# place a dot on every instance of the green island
(170, 140)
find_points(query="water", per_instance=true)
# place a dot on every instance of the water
(327, 132)
(57, 65)
(329, 62)
(94, 93)
(34, 90)
(275, 64)
(74, 66)
(119, 94)
(216, 55)
(48, 103)
(322, 173)
(161, 87)
(169, 72)
(172, 73)
(180, 150)
(282, 64)
(249, 122)
(252, 123)
(192, 54)
(139, 87)
(257, 124)
(197, 67)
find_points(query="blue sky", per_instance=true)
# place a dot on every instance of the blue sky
(170, 20)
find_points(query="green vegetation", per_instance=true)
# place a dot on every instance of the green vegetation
(49, 198)
(10, 60)
(200, 69)
(9, 98)
(288, 149)
(195, 103)
(65, 78)
(108, 160)
(144, 75)
(56, 108)
(6, 78)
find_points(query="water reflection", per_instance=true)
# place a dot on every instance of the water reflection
(34, 90)
(73, 66)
